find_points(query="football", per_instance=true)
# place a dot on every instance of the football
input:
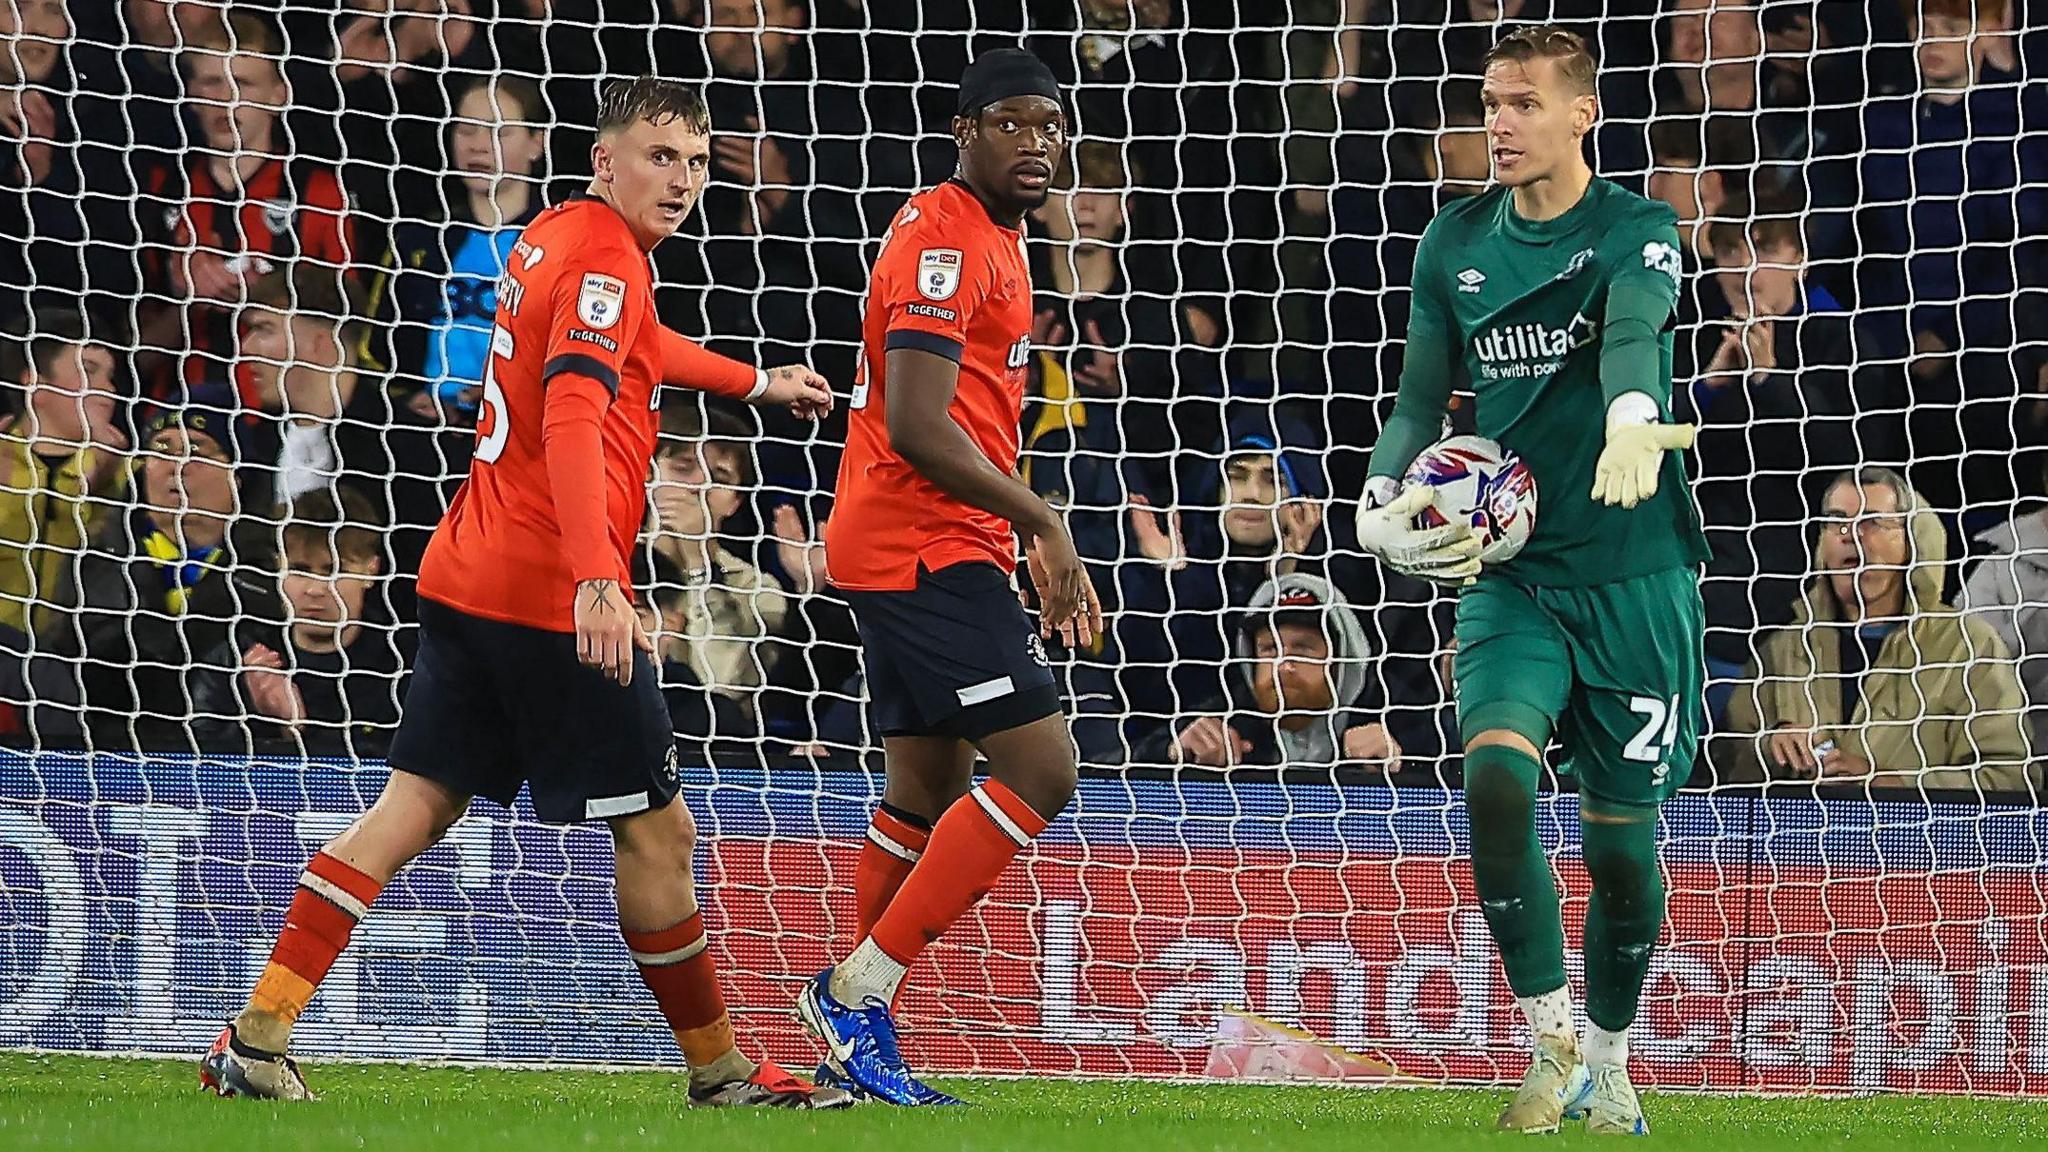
(1477, 482)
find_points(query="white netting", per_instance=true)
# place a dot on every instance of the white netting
(296, 216)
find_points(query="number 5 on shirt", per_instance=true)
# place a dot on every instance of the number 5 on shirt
(492, 427)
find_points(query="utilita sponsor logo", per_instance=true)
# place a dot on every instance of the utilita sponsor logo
(1529, 350)
(1521, 342)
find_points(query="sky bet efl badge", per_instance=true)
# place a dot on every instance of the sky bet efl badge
(938, 273)
(602, 300)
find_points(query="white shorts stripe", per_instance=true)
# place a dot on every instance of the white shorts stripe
(672, 956)
(1001, 818)
(334, 894)
(603, 806)
(985, 691)
(888, 844)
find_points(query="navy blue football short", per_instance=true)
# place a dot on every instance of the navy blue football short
(955, 656)
(492, 706)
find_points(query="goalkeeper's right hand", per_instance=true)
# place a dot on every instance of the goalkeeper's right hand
(1386, 529)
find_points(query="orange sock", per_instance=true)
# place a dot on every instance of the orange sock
(677, 967)
(332, 897)
(895, 840)
(969, 848)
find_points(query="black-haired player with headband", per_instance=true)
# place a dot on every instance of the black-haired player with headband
(923, 541)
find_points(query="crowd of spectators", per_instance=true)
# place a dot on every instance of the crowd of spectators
(250, 265)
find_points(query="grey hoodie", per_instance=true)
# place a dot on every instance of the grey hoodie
(1317, 743)
(2009, 591)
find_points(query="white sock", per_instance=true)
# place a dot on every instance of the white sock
(1549, 1015)
(1604, 1049)
(868, 974)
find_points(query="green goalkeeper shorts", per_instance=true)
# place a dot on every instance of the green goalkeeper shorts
(1613, 670)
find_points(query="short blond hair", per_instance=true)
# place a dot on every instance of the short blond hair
(1548, 42)
(625, 103)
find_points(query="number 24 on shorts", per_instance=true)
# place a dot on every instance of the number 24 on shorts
(1652, 743)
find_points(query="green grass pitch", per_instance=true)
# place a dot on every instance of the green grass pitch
(61, 1102)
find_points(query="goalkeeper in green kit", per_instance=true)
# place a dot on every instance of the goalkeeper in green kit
(1550, 297)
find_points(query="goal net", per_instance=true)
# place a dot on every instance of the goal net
(247, 281)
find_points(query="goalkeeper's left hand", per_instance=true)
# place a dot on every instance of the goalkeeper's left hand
(1628, 467)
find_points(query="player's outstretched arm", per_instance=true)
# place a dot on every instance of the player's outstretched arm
(1633, 379)
(918, 414)
(1626, 473)
(688, 364)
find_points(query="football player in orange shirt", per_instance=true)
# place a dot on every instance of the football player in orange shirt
(923, 540)
(532, 668)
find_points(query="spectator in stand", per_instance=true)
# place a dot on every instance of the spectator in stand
(1133, 67)
(1295, 692)
(169, 581)
(1111, 325)
(244, 205)
(1955, 193)
(1876, 680)
(2008, 589)
(324, 420)
(1074, 456)
(1256, 514)
(60, 452)
(56, 241)
(705, 721)
(292, 355)
(1747, 70)
(1140, 72)
(781, 214)
(1694, 177)
(1390, 187)
(783, 263)
(822, 650)
(128, 100)
(132, 65)
(378, 83)
(439, 282)
(331, 675)
(1454, 161)
(1790, 392)
(1249, 512)
(732, 611)
(387, 77)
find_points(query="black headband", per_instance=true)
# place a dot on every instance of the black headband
(1001, 74)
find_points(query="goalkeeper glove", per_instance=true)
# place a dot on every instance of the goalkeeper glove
(1386, 529)
(1626, 473)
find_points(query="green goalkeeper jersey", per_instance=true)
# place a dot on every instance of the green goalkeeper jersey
(1545, 322)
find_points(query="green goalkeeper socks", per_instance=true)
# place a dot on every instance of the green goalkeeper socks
(1626, 911)
(1517, 893)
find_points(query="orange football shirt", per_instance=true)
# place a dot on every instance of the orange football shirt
(951, 281)
(577, 298)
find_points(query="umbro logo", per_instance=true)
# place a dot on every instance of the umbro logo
(1471, 280)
